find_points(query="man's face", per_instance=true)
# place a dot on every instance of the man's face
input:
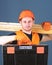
(27, 23)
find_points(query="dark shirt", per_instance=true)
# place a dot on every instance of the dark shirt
(29, 35)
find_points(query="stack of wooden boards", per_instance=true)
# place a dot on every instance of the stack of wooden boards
(7, 26)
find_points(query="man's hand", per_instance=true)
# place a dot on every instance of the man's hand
(46, 25)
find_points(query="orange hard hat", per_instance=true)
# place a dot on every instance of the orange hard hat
(26, 13)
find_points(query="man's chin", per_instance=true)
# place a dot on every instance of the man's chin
(27, 29)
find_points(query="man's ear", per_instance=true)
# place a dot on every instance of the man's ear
(34, 21)
(20, 22)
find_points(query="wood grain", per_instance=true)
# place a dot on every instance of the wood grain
(8, 26)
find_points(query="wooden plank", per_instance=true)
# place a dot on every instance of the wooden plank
(5, 26)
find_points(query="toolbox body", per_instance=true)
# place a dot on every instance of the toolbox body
(25, 55)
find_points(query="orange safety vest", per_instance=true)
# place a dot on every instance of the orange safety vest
(23, 39)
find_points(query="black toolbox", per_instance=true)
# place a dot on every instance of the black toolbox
(25, 55)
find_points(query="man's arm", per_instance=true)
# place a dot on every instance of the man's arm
(46, 38)
(46, 26)
(6, 39)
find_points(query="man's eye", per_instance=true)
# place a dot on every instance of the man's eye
(24, 21)
(29, 21)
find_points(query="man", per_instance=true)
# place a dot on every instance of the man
(26, 36)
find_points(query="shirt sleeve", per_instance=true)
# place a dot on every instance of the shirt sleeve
(40, 35)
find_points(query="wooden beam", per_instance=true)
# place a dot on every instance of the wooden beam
(7, 26)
